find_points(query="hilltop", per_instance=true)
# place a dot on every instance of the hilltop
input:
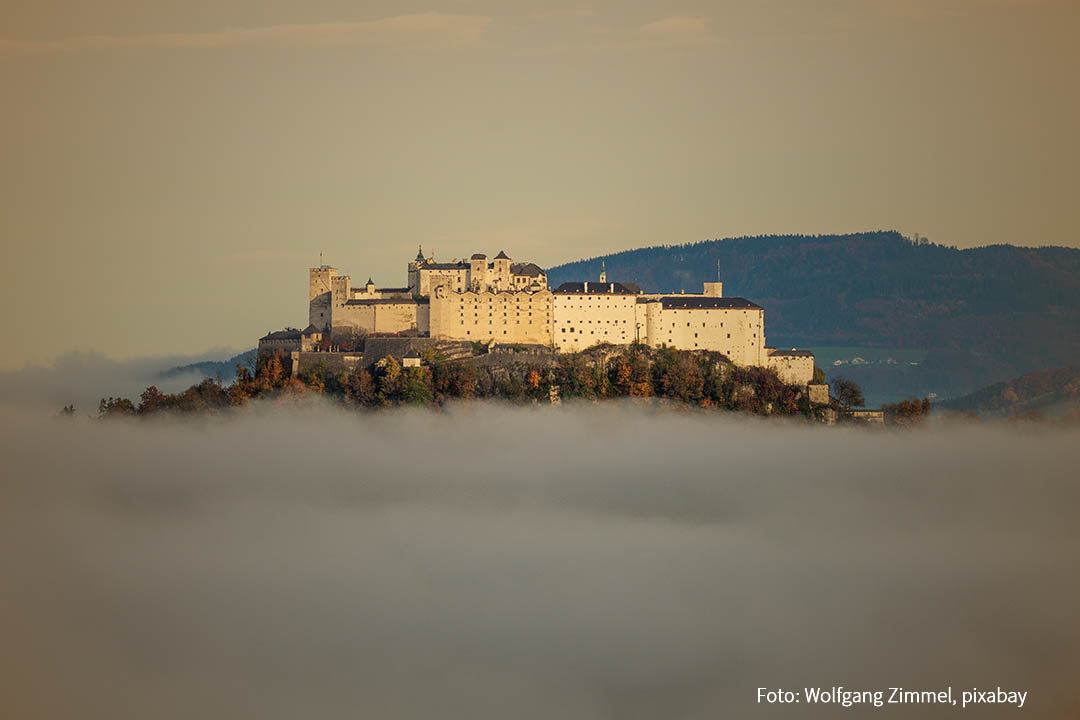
(982, 314)
(1052, 392)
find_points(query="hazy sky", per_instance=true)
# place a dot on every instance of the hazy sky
(169, 171)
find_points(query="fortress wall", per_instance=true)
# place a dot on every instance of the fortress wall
(793, 369)
(319, 313)
(396, 317)
(320, 280)
(357, 318)
(453, 280)
(423, 318)
(375, 349)
(583, 320)
(509, 317)
(333, 362)
(737, 333)
(339, 289)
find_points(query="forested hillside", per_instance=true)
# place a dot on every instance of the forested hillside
(985, 314)
(1053, 392)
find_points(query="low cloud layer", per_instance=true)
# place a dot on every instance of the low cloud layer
(583, 562)
(82, 379)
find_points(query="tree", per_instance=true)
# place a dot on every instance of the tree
(416, 386)
(848, 393)
(912, 411)
(115, 407)
(153, 400)
(360, 388)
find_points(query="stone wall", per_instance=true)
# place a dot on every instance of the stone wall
(735, 332)
(819, 393)
(382, 316)
(795, 367)
(582, 320)
(332, 362)
(505, 317)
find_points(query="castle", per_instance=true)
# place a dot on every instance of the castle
(507, 303)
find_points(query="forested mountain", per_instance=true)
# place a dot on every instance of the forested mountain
(984, 314)
(224, 369)
(1053, 392)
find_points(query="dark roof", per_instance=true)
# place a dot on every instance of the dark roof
(286, 334)
(446, 266)
(369, 282)
(400, 290)
(386, 301)
(696, 302)
(479, 256)
(790, 353)
(502, 256)
(530, 269)
(311, 329)
(599, 288)
(412, 353)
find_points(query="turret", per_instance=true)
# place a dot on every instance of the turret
(321, 281)
(501, 280)
(478, 274)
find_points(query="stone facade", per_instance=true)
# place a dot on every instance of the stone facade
(382, 315)
(591, 313)
(819, 393)
(732, 326)
(504, 317)
(793, 366)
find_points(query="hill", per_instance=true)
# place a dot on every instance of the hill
(222, 369)
(981, 314)
(1053, 392)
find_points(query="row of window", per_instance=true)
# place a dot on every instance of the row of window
(491, 322)
(490, 315)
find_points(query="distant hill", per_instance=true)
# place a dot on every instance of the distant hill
(225, 369)
(1053, 392)
(982, 314)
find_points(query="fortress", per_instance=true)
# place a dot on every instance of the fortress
(506, 303)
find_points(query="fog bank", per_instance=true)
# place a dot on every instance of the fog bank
(604, 561)
(84, 378)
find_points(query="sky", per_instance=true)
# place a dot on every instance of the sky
(288, 562)
(171, 170)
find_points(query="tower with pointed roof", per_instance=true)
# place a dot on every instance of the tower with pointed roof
(603, 272)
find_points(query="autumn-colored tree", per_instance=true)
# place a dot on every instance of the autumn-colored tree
(153, 400)
(271, 373)
(907, 413)
(683, 379)
(207, 395)
(115, 407)
(361, 388)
